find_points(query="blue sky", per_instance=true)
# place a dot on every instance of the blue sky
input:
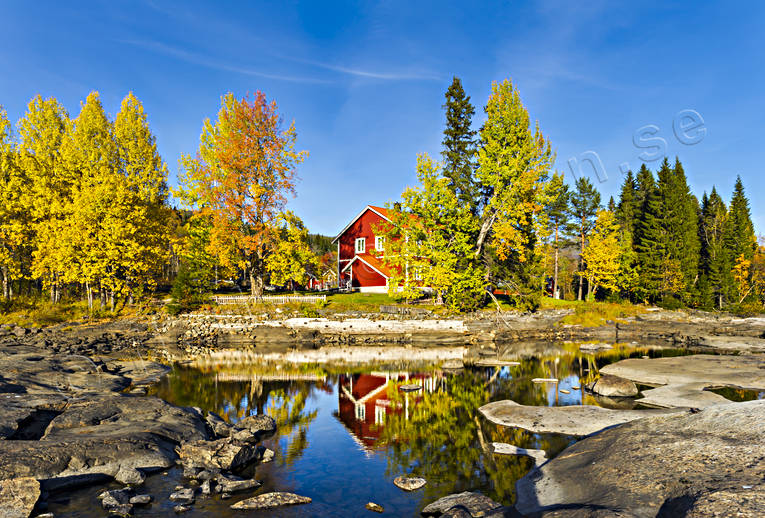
(364, 81)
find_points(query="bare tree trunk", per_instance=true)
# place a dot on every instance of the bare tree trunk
(485, 227)
(555, 273)
(90, 297)
(5, 283)
(111, 299)
(581, 277)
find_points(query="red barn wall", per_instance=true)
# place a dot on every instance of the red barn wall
(365, 276)
(362, 227)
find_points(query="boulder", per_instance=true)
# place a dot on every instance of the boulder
(222, 454)
(129, 476)
(614, 386)
(409, 483)
(219, 427)
(231, 484)
(183, 496)
(475, 504)
(18, 497)
(259, 424)
(578, 420)
(662, 465)
(270, 500)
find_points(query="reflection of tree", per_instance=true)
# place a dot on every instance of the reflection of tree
(288, 409)
(440, 442)
(234, 400)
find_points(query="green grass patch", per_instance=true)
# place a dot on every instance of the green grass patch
(594, 314)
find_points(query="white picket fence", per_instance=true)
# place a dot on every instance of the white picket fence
(268, 299)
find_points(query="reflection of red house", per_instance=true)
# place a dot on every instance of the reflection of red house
(358, 248)
(363, 401)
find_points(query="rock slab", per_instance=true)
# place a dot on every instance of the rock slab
(475, 504)
(270, 500)
(18, 497)
(658, 466)
(578, 420)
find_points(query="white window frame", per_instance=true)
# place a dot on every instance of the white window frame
(380, 243)
(418, 274)
(363, 242)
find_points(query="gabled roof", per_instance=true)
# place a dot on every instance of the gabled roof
(371, 261)
(380, 211)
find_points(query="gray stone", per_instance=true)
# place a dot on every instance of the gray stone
(141, 500)
(219, 427)
(501, 448)
(206, 487)
(180, 508)
(658, 466)
(184, 496)
(223, 454)
(474, 503)
(115, 498)
(121, 510)
(614, 386)
(18, 497)
(576, 420)
(130, 476)
(270, 500)
(409, 483)
(231, 484)
(258, 424)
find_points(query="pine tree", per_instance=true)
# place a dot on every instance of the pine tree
(584, 205)
(460, 145)
(557, 211)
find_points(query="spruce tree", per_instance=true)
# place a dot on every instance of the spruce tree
(714, 267)
(740, 240)
(626, 218)
(584, 205)
(648, 239)
(460, 145)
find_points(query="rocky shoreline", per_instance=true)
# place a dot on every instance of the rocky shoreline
(73, 409)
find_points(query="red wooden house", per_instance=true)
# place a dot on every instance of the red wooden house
(358, 249)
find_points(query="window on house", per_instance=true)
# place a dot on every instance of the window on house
(361, 245)
(418, 274)
(379, 243)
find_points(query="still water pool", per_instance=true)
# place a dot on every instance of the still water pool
(346, 431)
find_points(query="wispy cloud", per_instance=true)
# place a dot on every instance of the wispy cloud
(201, 60)
(369, 74)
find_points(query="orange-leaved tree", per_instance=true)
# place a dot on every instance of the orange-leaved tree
(243, 172)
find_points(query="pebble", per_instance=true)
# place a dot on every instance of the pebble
(140, 499)
(374, 507)
(181, 508)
